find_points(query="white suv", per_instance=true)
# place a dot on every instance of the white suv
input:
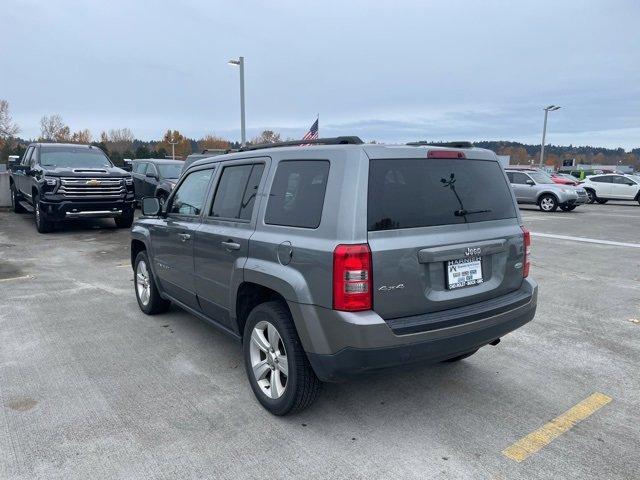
(612, 186)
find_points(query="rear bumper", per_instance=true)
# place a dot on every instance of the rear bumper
(343, 345)
(69, 209)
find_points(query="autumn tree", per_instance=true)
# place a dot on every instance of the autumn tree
(212, 141)
(267, 136)
(7, 127)
(53, 128)
(81, 136)
(181, 143)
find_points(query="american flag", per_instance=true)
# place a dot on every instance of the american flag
(312, 134)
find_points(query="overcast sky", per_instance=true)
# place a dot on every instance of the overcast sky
(387, 70)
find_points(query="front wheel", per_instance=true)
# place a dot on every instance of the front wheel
(548, 203)
(124, 221)
(162, 198)
(277, 367)
(15, 201)
(592, 196)
(42, 224)
(147, 294)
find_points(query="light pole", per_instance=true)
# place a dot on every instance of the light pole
(240, 63)
(550, 108)
(173, 144)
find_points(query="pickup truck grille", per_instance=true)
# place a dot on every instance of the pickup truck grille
(91, 187)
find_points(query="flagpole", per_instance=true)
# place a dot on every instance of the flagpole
(318, 120)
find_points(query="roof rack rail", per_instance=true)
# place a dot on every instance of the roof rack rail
(298, 143)
(209, 150)
(457, 144)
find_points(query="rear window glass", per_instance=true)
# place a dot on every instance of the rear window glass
(410, 193)
(297, 193)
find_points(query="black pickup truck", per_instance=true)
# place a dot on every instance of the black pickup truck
(59, 181)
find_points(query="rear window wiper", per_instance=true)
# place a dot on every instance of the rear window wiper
(462, 212)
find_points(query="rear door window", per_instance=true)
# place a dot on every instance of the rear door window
(410, 193)
(604, 179)
(519, 178)
(236, 191)
(297, 194)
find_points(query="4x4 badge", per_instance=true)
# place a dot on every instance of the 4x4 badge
(388, 288)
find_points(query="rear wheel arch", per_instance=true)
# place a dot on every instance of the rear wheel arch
(249, 296)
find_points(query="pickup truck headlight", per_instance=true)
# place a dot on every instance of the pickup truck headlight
(128, 181)
(51, 181)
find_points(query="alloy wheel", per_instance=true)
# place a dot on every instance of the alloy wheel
(269, 360)
(547, 204)
(143, 285)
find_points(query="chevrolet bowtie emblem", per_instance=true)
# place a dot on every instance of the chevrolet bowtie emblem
(93, 183)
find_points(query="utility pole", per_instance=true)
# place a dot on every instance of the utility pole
(240, 63)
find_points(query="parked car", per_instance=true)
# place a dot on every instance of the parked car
(602, 188)
(339, 258)
(58, 181)
(564, 179)
(536, 187)
(155, 177)
(206, 153)
(580, 174)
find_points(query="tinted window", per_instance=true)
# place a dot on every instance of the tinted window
(519, 178)
(151, 169)
(297, 193)
(27, 156)
(140, 167)
(620, 180)
(228, 199)
(170, 170)
(605, 179)
(249, 198)
(73, 157)
(189, 197)
(408, 193)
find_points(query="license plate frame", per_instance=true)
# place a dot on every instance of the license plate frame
(463, 272)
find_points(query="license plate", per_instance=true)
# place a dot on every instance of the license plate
(464, 272)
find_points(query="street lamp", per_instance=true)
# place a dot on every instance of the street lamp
(550, 108)
(173, 144)
(240, 63)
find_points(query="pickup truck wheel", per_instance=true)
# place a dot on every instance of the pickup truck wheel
(147, 294)
(602, 201)
(592, 196)
(124, 221)
(548, 203)
(277, 367)
(42, 224)
(460, 357)
(15, 201)
(162, 198)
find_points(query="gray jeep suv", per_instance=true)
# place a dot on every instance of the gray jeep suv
(337, 258)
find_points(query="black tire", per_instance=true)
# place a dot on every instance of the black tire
(155, 304)
(568, 208)
(602, 201)
(592, 196)
(15, 201)
(548, 203)
(42, 224)
(302, 386)
(125, 221)
(460, 357)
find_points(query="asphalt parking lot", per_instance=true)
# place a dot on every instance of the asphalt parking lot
(92, 388)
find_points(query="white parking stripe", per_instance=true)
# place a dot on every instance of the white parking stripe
(586, 240)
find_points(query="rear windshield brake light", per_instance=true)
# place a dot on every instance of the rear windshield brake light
(445, 154)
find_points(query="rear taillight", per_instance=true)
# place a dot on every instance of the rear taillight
(352, 277)
(527, 252)
(445, 154)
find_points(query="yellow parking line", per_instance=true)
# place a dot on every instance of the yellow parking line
(556, 427)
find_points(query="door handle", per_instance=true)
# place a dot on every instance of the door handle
(184, 236)
(231, 245)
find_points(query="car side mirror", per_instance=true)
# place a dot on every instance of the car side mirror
(13, 162)
(530, 182)
(151, 175)
(151, 207)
